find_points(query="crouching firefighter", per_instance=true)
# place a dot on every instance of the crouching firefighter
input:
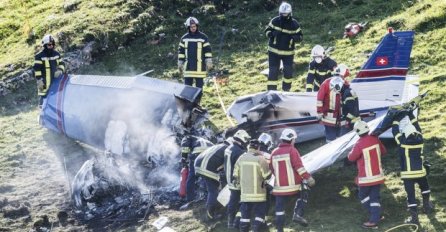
(290, 173)
(410, 150)
(191, 147)
(209, 164)
(251, 172)
(283, 32)
(232, 153)
(47, 66)
(367, 154)
(194, 54)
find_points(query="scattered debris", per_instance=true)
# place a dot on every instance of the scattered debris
(15, 212)
(43, 224)
(160, 222)
(352, 29)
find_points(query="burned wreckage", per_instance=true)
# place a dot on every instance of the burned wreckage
(138, 121)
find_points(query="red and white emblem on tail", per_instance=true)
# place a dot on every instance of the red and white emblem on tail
(382, 61)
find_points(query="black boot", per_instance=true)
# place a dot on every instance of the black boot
(231, 222)
(302, 221)
(428, 207)
(413, 219)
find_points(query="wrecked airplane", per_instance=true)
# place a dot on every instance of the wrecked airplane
(381, 83)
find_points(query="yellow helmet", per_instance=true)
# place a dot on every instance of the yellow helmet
(361, 127)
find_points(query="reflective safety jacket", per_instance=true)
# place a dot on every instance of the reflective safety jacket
(193, 146)
(328, 105)
(350, 106)
(232, 153)
(210, 161)
(286, 33)
(367, 153)
(288, 170)
(251, 172)
(193, 49)
(318, 73)
(410, 151)
(46, 63)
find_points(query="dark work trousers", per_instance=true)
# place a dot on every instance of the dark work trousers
(345, 129)
(274, 69)
(234, 206)
(331, 133)
(190, 81)
(191, 179)
(299, 207)
(212, 189)
(370, 200)
(246, 209)
(409, 186)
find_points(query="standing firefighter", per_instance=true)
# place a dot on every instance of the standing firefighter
(47, 66)
(328, 104)
(290, 173)
(411, 144)
(194, 54)
(283, 32)
(250, 173)
(367, 154)
(209, 164)
(191, 147)
(350, 104)
(232, 153)
(320, 68)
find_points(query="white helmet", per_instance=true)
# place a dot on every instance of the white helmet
(288, 134)
(48, 39)
(361, 127)
(266, 139)
(336, 83)
(242, 136)
(342, 70)
(318, 53)
(190, 20)
(285, 8)
(409, 129)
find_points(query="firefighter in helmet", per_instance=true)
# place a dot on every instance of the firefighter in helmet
(320, 68)
(283, 32)
(232, 153)
(289, 173)
(367, 153)
(47, 66)
(251, 171)
(413, 166)
(194, 54)
(328, 105)
(349, 102)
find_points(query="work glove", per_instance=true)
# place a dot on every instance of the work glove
(310, 181)
(183, 162)
(180, 66)
(40, 84)
(209, 64)
(57, 73)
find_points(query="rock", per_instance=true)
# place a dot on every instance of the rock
(42, 224)
(62, 216)
(13, 212)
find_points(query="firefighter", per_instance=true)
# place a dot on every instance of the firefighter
(328, 104)
(191, 147)
(194, 54)
(290, 173)
(283, 32)
(250, 173)
(47, 66)
(232, 153)
(367, 154)
(265, 146)
(411, 143)
(320, 68)
(209, 164)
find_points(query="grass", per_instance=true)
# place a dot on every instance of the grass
(333, 205)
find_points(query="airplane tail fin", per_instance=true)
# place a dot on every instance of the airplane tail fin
(383, 76)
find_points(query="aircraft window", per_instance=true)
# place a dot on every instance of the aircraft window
(304, 113)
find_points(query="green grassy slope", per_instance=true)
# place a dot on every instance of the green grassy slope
(333, 205)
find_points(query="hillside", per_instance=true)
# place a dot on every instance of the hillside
(31, 158)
